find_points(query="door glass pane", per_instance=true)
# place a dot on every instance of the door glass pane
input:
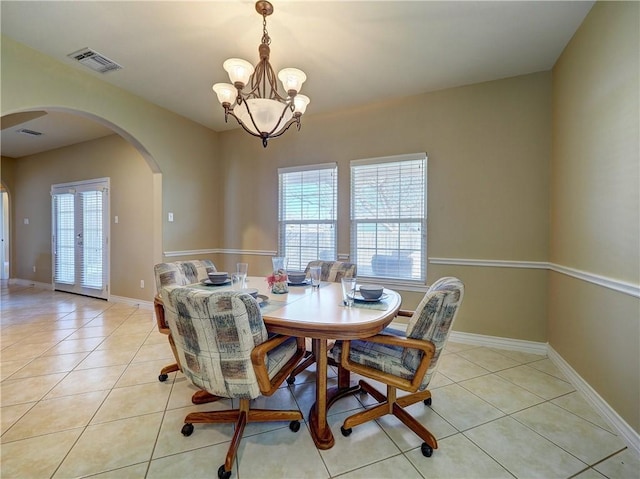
(65, 238)
(92, 239)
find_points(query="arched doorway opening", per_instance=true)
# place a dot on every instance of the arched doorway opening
(79, 157)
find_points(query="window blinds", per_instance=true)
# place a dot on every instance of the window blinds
(388, 217)
(307, 214)
(64, 246)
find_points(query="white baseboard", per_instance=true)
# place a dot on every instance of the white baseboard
(532, 347)
(626, 432)
(112, 299)
(33, 284)
(131, 302)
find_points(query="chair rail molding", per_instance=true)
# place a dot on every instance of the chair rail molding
(195, 252)
(604, 281)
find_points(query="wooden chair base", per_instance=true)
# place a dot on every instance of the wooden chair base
(392, 405)
(165, 371)
(306, 362)
(203, 397)
(241, 417)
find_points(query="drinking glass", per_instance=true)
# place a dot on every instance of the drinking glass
(348, 290)
(315, 273)
(236, 281)
(241, 270)
(279, 263)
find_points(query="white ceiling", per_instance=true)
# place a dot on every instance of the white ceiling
(354, 52)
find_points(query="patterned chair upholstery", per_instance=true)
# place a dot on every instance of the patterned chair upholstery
(178, 273)
(224, 348)
(332, 271)
(404, 360)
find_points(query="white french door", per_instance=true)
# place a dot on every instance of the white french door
(80, 237)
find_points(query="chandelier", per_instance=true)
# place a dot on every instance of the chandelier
(252, 97)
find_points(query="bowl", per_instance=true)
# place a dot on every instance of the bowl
(218, 277)
(296, 276)
(371, 291)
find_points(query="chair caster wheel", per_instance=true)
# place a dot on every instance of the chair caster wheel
(163, 377)
(187, 429)
(291, 380)
(426, 449)
(294, 426)
(346, 432)
(427, 402)
(222, 474)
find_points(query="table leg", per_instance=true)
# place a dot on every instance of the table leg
(320, 431)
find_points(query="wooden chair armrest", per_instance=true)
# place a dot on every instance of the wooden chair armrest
(405, 312)
(259, 361)
(158, 307)
(427, 347)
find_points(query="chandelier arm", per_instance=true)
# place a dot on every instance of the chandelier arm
(244, 127)
(295, 119)
(269, 134)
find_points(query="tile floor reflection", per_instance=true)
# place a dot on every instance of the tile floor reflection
(80, 397)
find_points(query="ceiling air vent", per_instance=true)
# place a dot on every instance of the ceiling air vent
(25, 131)
(94, 60)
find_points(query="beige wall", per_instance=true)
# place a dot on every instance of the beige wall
(184, 152)
(488, 148)
(595, 203)
(130, 198)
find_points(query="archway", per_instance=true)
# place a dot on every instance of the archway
(154, 211)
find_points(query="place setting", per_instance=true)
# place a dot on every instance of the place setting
(367, 295)
(297, 278)
(217, 278)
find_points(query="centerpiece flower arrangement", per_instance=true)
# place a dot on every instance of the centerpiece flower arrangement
(278, 282)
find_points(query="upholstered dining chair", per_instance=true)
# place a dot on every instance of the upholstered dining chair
(224, 348)
(178, 273)
(332, 271)
(404, 360)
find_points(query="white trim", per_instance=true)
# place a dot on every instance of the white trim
(628, 435)
(389, 159)
(189, 252)
(626, 432)
(532, 347)
(497, 263)
(611, 283)
(255, 252)
(146, 305)
(195, 252)
(604, 281)
(319, 166)
(34, 284)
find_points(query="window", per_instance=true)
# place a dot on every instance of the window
(307, 213)
(389, 217)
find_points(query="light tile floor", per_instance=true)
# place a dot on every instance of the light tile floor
(80, 397)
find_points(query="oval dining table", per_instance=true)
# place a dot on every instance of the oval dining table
(319, 314)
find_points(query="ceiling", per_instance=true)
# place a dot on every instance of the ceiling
(354, 52)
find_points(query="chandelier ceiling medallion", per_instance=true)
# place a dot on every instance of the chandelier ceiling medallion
(252, 97)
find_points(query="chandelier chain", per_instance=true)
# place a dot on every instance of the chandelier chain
(265, 34)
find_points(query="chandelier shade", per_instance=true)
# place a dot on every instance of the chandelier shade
(252, 97)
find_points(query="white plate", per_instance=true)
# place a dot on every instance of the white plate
(262, 300)
(358, 297)
(304, 283)
(207, 282)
